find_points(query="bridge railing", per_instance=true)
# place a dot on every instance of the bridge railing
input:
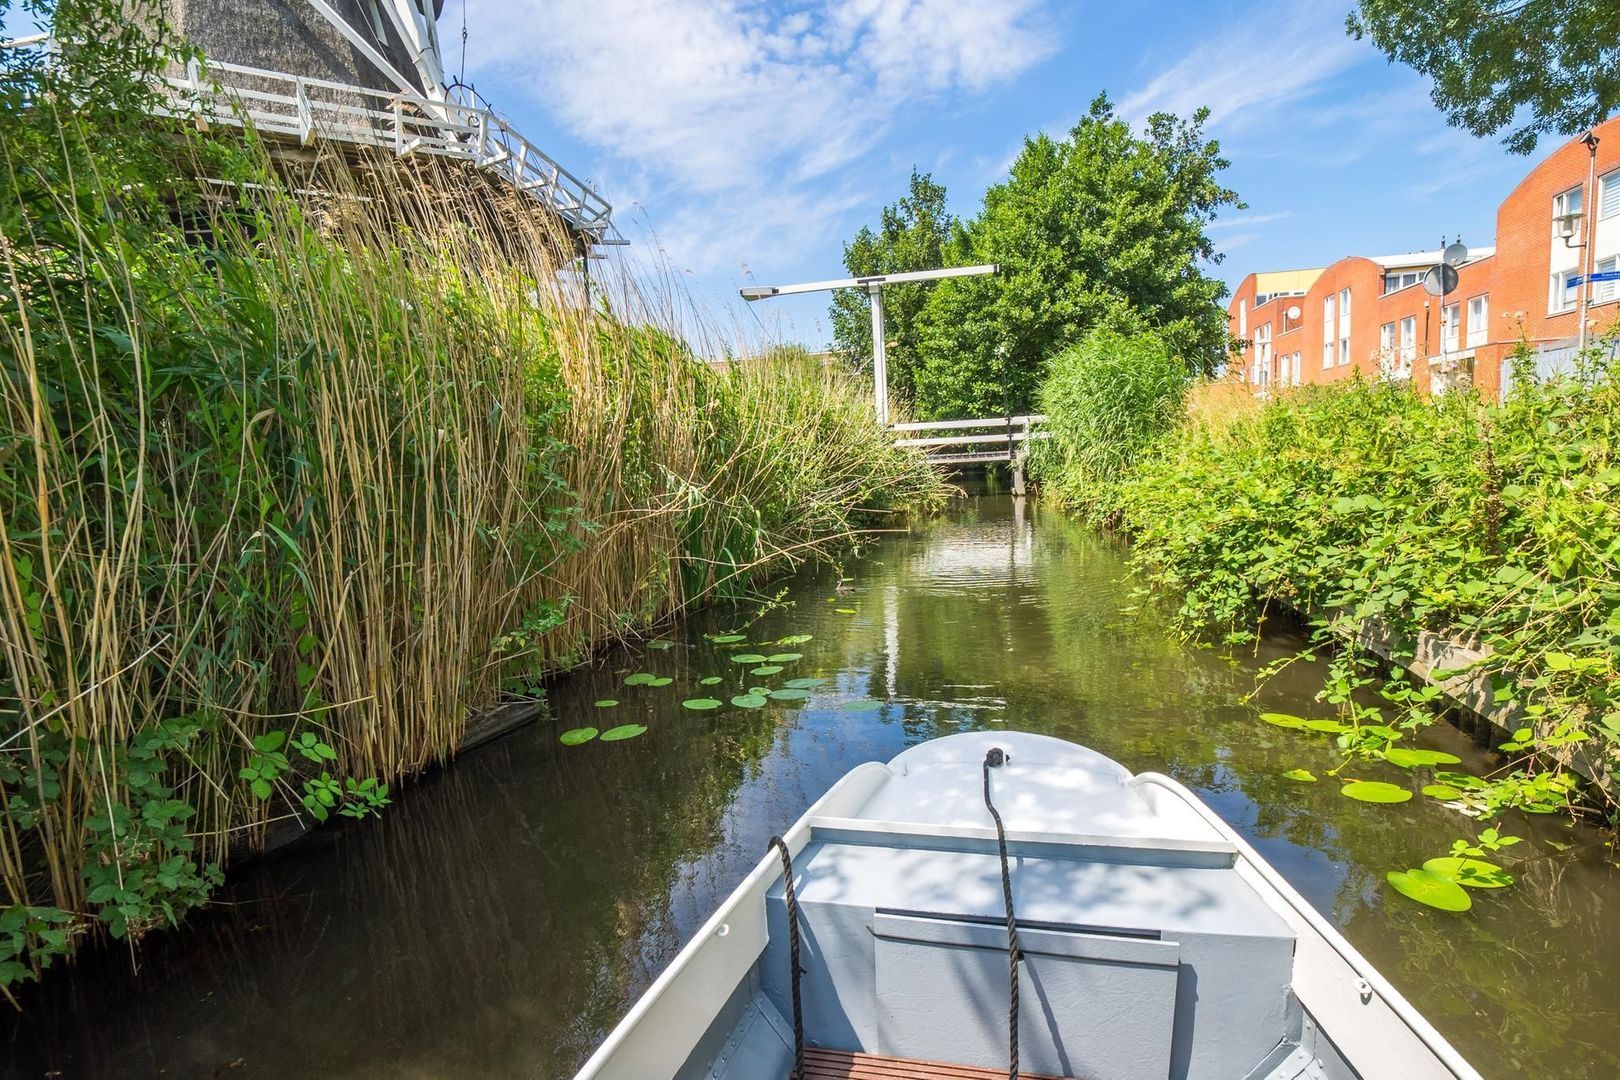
(999, 438)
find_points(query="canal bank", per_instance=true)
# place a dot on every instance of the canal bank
(504, 913)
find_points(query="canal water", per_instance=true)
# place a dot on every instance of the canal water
(506, 912)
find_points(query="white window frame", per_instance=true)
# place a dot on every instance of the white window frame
(1450, 314)
(1479, 319)
(1243, 319)
(1344, 326)
(1605, 292)
(1562, 298)
(1328, 324)
(1407, 344)
(1608, 199)
(1386, 346)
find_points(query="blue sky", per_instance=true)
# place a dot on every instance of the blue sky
(746, 141)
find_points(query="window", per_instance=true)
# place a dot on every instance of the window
(1344, 326)
(1402, 280)
(1386, 345)
(1564, 204)
(1605, 291)
(1262, 353)
(1408, 344)
(1243, 318)
(1479, 313)
(1564, 294)
(1327, 332)
(1448, 327)
(1609, 195)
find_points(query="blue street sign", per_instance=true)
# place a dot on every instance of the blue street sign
(1606, 275)
(1574, 281)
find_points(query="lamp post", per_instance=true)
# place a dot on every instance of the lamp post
(1590, 193)
(874, 287)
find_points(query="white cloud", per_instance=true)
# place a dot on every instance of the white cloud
(1271, 59)
(729, 108)
(1245, 221)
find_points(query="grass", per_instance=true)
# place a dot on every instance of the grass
(296, 485)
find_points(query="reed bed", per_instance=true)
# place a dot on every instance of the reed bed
(305, 461)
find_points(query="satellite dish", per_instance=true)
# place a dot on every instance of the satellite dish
(1293, 313)
(1440, 280)
(1455, 254)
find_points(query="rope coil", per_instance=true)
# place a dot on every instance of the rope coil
(993, 760)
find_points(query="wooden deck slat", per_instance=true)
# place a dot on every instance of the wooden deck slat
(821, 1064)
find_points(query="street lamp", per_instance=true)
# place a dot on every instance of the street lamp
(874, 287)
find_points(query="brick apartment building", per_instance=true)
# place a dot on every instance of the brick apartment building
(1372, 314)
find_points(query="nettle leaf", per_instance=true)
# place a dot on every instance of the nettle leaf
(270, 741)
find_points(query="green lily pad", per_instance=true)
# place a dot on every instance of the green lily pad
(661, 681)
(607, 703)
(785, 657)
(748, 658)
(1282, 719)
(1408, 759)
(1443, 792)
(700, 703)
(803, 684)
(640, 678)
(1327, 727)
(865, 705)
(728, 639)
(578, 735)
(623, 731)
(789, 695)
(794, 639)
(709, 680)
(1428, 887)
(660, 644)
(1375, 791)
(1474, 873)
(749, 701)
(1304, 776)
(766, 669)
(845, 610)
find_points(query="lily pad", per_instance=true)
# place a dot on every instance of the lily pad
(1443, 792)
(748, 658)
(1408, 759)
(794, 639)
(1327, 727)
(660, 644)
(640, 678)
(728, 639)
(1304, 776)
(623, 731)
(662, 681)
(700, 703)
(803, 684)
(865, 705)
(759, 691)
(749, 701)
(1375, 791)
(845, 610)
(578, 735)
(607, 703)
(785, 657)
(1281, 719)
(1474, 873)
(709, 680)
(766, 669)
(789, 695)
(1428, 887)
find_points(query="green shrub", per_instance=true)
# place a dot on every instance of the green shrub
(1107, 400)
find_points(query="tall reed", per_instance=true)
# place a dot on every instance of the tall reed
(295, 484)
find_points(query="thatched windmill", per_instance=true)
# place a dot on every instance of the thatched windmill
(363, 74)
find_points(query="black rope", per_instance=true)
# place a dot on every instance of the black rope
(994, 759)
(793, 956)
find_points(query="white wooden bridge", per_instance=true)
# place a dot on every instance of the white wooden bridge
(973, 442)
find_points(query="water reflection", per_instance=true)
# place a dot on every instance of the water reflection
(507, 911)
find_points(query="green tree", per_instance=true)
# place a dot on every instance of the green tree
(1106, 229)
(1534, 66)
(913, 234)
